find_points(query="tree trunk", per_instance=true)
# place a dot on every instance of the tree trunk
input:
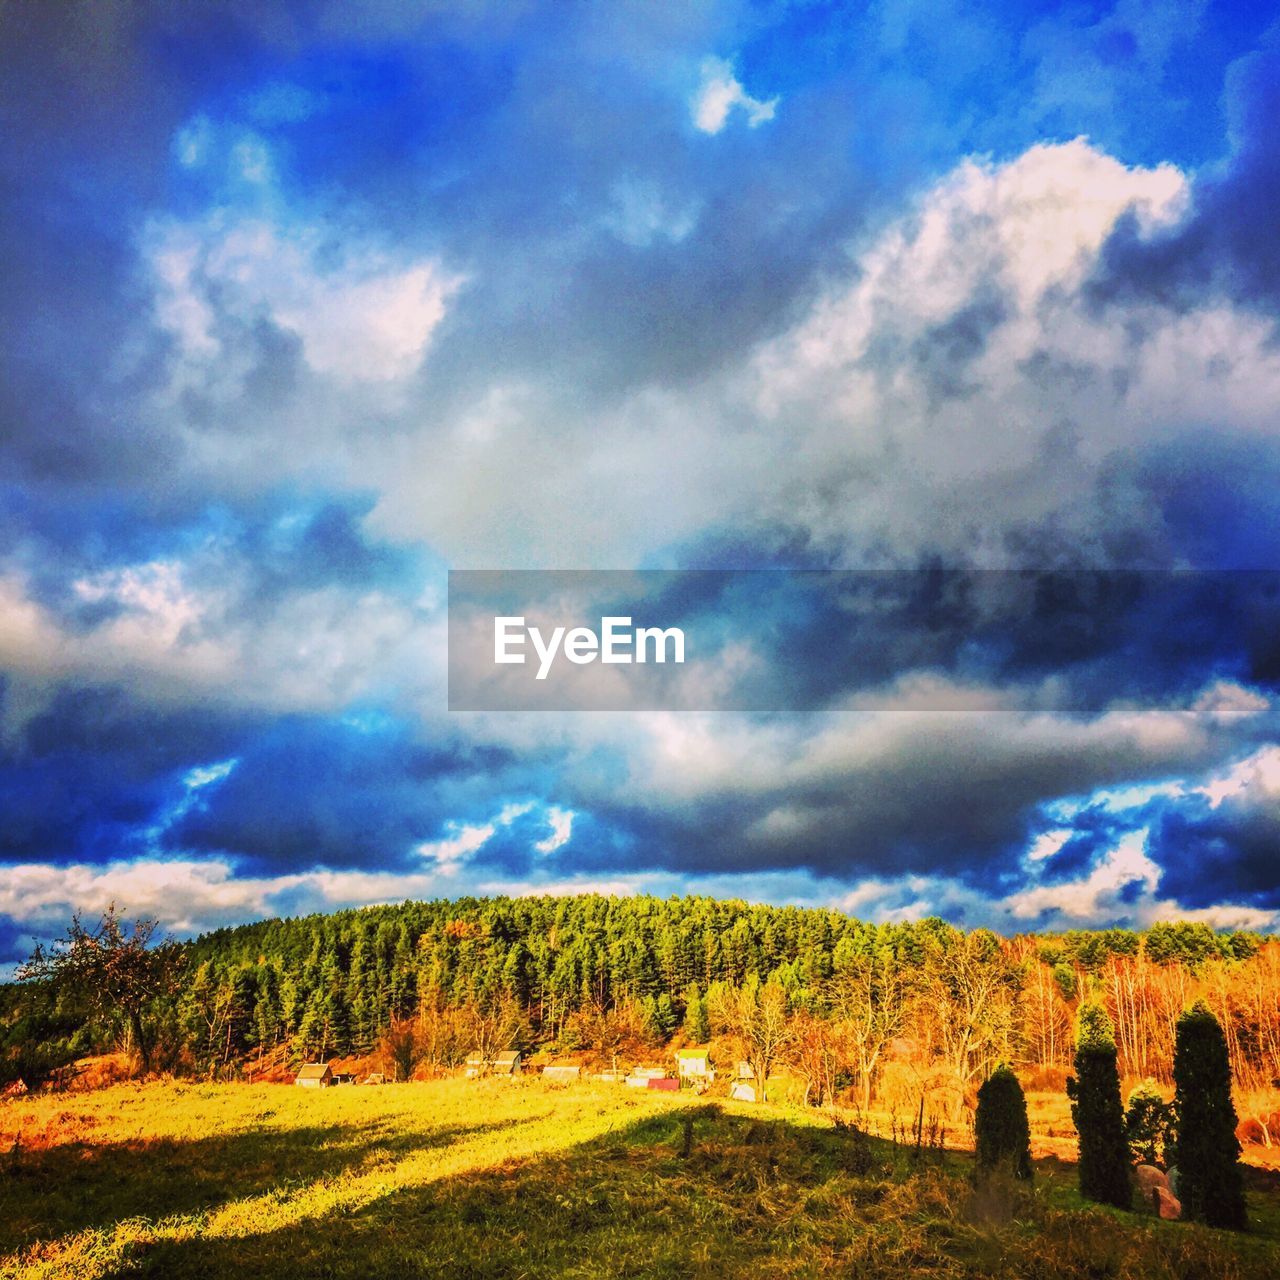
(140, 1041)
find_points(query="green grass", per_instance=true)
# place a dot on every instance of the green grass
(520, 1179)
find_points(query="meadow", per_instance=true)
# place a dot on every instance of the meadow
(522, 1178)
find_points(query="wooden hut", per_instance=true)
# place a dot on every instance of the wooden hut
(314, 1075)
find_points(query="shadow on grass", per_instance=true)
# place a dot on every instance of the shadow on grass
(48, 1193)
(697, 1192)
(752, 1197)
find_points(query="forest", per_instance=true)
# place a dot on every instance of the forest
(839, 1001)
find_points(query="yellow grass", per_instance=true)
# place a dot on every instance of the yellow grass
(517, 1177)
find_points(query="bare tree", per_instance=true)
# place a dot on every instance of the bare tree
(757, 1016)
(113, 970)
(496, 1024)
(870, 997)
(815, 1050)
(969, 987)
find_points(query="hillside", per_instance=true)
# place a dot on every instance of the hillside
(423, 982)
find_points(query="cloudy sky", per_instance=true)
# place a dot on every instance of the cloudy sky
(303, 307)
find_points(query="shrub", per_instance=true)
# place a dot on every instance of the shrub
(1149, 1125)
(1098, 1113)
(1210, 1183)
(1000, 1127)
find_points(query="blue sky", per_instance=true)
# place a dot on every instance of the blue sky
(303, 308)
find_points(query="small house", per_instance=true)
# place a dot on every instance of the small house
(694, 1064)
(564, 1074)
(507, 1064)
(314, 1075)
(474, 1065)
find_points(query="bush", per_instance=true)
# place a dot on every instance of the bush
(1210, 1183)
(1000, 1128)
(1149, 1125)
(1098, 1113)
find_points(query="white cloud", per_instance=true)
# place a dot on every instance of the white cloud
(451, 852)
(1227, 702)
(360, 314)
(561, 823)
(640, 215)
(1256, 779)
(171, 635)
(954, 387)
(719, 93)
(454, 850)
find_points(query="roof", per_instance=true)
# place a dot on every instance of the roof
(313, 1071)
(506, 1058)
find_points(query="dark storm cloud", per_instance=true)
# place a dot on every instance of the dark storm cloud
(307, 792)
(1227, 245)
(1141, 636)
(87, 775)
(97, 776)
(958, 795)
(13, 946)
(1209, 855)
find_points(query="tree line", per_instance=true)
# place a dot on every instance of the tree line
(840, 999)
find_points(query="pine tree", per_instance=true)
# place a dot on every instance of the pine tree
(1210, 1183)
(1001, 1128)
(697, 1025)
(1098, 1113)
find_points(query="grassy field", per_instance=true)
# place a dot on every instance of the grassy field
(526, 1179)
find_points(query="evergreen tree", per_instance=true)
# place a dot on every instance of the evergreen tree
(1001, 1129)
(697, 1025)
(1098, 1113)
(1210, 1183)
(664, 1016)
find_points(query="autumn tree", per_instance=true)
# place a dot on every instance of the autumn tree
(757, 1016)
(869, 996)
(968, 988)
(815, 1051)
(112, 970)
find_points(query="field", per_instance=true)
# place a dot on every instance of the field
(522, 1178)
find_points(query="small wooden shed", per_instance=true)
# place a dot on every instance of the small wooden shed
(562, 1072)
(507, 1064)
(314, 1075)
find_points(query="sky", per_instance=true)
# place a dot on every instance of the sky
(302, 306)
